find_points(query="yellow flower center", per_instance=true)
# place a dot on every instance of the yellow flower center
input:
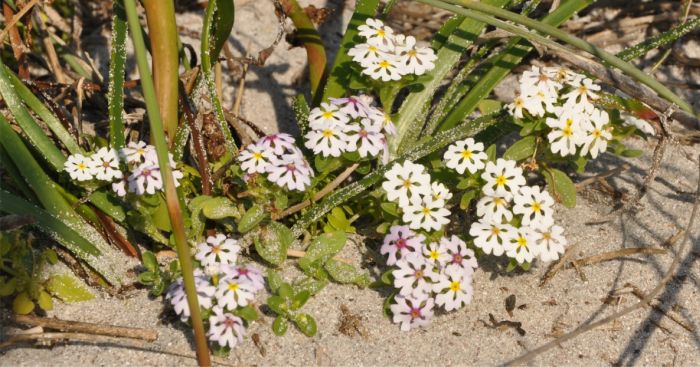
(233, 287)
(498, 201)
(412, 53)
(216, 249)
(495, 230)
(569, 122)
(407, 183)
(501, 180)
(466, 153)
(372, 49)
(257, 155)
(82, 166)
(536, 207)
(327, 115)
(434, 255)
(597, 133)
(568, 131)
(418, 274)
(384, 64)
(522, 242)
(455, 286)
(519, 102)
(582, 89)
(547, 236)
(381, 33)
(426, 211)
(328, 133)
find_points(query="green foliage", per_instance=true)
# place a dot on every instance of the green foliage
(273, 242)
(157, 279)
(561, 187)
(522, 149)
(115, 95)
(285, 302)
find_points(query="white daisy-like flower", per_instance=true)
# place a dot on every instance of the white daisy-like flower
(225, 329)
(145, 179)
(291, 171)
(560, 74)
(255, 158)
(550, 242)
(218, 249)
(178, 298)
(232, 292)
(412, 312)
(414, 275)
(331, 140)
(386, 68)
(535, 205)
(595, 140)
(376, 32)
(460, 256)
(522, 247)
(367, 53)
(566, 132)
(78, 167)
(104, 165)
(502, 178)
(540, 103)
(405, 181)
(537, 79)
(517, 107)
(491, 236)
(280, 143)
(494, 207)
(454, 289)
(355, 106)
(399, 242)
(464, 155)
(386, 122)
(413, 59)
(640, 124)
(137, 152)
(581, 96)
(119, 187)
(440, 192)
(327, 116)
(368, 139)
(425, 213)
(248, 273)
(436, 254)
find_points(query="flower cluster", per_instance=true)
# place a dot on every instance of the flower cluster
(387, 56)
(565, 99)
(427, 274)
(421, 201)
(140, 159)
(278, 157)
(348, 125)
(222, 288)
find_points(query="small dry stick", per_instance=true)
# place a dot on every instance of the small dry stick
(554, 269)
(607, 256)
(612, 172)
(640, 294)
(87, 327)
(319, 195)
(644, 302)
(16, 19)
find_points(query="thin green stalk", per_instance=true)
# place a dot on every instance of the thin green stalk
(659, 40)
(183, 248)
(208, 79)
(486, 13)
(115, 94)
(162, 30)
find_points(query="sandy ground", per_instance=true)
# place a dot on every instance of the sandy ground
(645, 337)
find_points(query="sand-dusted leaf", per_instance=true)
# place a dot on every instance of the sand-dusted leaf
(346, 274)
(301, 113)
(68, 288)
(251, 218)
(521, 149)
(561, 187)
(306, 324)
(467, 198)
(247, 313)
(309, 284)
(22, 304)
(219, 208)
(223, 24)
(44, 301)
(274, 280)
(117, 61)
(299, 299)
(322, 248)
(273, 242)
(278, 304)
(280, 325)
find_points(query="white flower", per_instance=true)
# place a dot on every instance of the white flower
(537, 79)
(465, 155)
(406, 181)
(328, 141)
(119, 187)
(218, 249)
(412, 312)
(560, 74)
(78, 167)
(425, 213)
(414, 60)
(146, 178)
(233, 292)
(255, 158)
(137, 152)
(225, 328)
(366, 53)
(522, 247)
(502, 178)
(376, 32)
(246, 273)
(104, 165)
(540, 103)
(596, 139)
(440, 192)
(385, 68)
(355, 106)
(368, 139)
(535, 206)
(582, 94)
(516, 108)
(640, 124)
(401, 241)
(290, 170)
(414, 275)
(385, 120)
(327, 116)
(178, 298)
(436, 254)
(550, 242)
(566, 132)
(454, 289)
(491, 236)
(460, 256)
(279, 143)
(494, 207)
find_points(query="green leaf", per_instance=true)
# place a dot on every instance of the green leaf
(561, 187)
(346, 274)
(280, 325)
(7, 287)
(313, 286)
(278, 304)
(219, 208)
(299, 299)
(115, 94)
(301, 113)
(491, 153)
(467, 198)
(339, 221)
(322, 248)
(22, 304)
(512, 264)
(44, 301)
(391, 208)
(247, 313)
(489, 106)
(149, 261)
(223, 24)
(147, 278)
(306, 324)
(274, 280)
(632, 153)
(521, 149)
(286, 291)
(251, 218)
(50, 256)
(67, 288)
(273, 242)
(387, 277)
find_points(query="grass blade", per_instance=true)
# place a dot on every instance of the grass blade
(115, 94)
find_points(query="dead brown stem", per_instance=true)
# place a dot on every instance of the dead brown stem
(607, 256)
(202, 162)
(11, 23)
(86, 327)
(607, 174)
(554, 269)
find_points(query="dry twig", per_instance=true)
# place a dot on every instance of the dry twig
(11, 23)
(554, 269)
(86, 327)
(607, 256)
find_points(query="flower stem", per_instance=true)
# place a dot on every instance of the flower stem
(158, 136)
